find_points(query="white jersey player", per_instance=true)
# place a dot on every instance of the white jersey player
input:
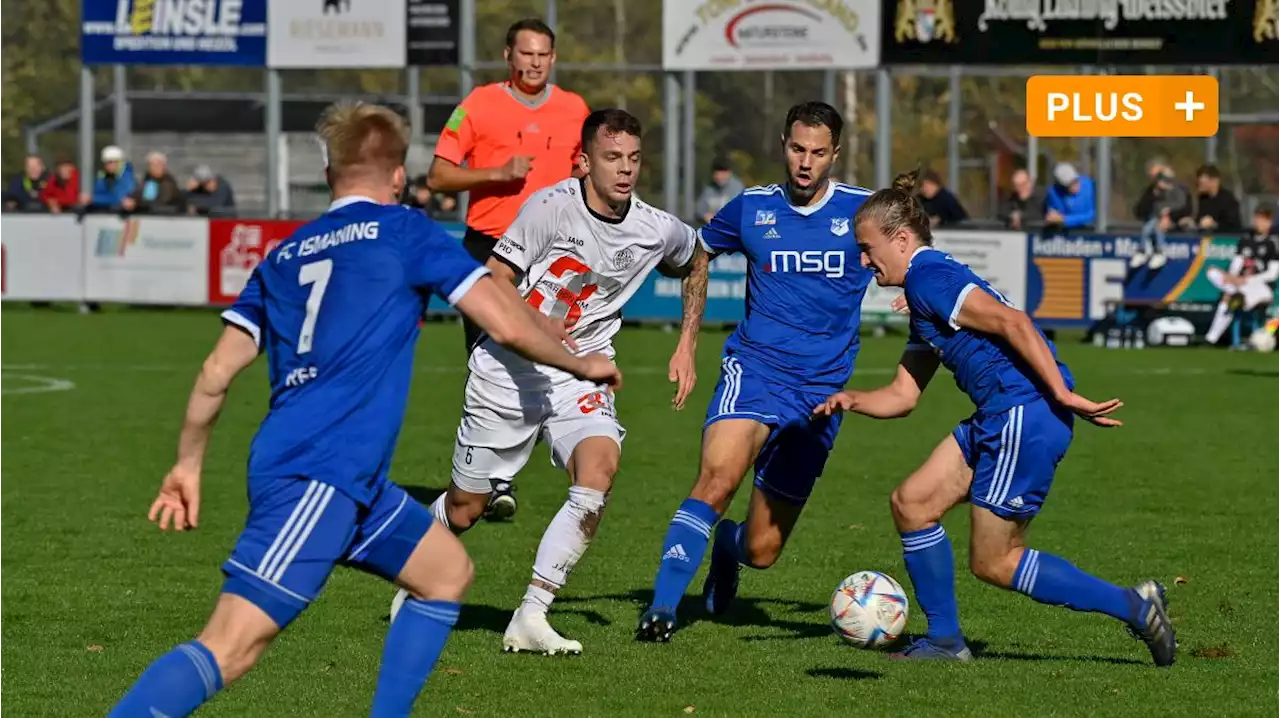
(577, 252)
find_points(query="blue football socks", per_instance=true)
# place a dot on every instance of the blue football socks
(414, 642)
(174, 685)
(1053, 580)
(682, 551)
(932, 568)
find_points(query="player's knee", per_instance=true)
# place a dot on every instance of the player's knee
(716, 485)
(909, 513)
(464, 509)
(448, 580)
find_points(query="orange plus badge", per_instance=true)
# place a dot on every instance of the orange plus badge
(1122, 106)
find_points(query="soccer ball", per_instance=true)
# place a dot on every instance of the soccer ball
(1262, 341)
(869, 609)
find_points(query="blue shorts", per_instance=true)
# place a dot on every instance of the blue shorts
(1014, 455)
(298, 530)
(796, 451)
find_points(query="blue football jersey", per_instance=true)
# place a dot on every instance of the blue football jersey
(805, 282)
(985, 367)
(336, 309)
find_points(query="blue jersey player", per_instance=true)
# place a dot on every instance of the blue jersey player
(805, 283)
(1002, 459)
(336, 310)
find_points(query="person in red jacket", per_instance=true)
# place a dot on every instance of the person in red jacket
(63, 190)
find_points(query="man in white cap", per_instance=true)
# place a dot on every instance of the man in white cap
(115, 182)
(1069, 203)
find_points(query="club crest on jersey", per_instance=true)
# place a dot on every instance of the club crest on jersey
(840, 226)
(766, 216)
(624, 258)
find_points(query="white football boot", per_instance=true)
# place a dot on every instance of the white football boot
(530, 631)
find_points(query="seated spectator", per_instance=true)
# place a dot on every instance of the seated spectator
(446, 206)
(1069, 203)
(939, 203)
(1170, 202)
(1216, 209)
(23, 192)
(158, 191)
(723, 187)
(1025, 204)
(209, 194)
(63, 189)
(1248, 285)
(114, 183)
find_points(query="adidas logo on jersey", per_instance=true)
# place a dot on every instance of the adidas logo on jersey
(676, 552)
(772, 234)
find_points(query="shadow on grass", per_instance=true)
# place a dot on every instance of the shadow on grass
(981, 651)
(844, 674)
(746, 612)
(1258, 373)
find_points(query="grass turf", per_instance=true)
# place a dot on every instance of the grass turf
(95, 592)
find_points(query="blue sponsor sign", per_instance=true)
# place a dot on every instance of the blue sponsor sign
(174, 32)
(658, 299)
(1076, 280)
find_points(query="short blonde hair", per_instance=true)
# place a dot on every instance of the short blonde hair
(359, 137)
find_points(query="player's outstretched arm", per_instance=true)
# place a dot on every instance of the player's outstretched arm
(500, 312)
(894, 400)
(682, 369)
(178, 503)
(503, 272)
(983, 313)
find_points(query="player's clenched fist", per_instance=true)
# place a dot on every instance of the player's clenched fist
(178, 503)
(600, 368)
(836, 403)
(516, 168)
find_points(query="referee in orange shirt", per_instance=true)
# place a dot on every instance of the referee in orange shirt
(516, 137)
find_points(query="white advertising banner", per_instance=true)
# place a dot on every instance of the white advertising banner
(998, 256)
(335, 33)
(769, 35)
(146, 261)
(40, 258)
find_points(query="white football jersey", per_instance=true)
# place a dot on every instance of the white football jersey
(581, 267)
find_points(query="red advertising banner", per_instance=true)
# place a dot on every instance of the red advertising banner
(235, 248)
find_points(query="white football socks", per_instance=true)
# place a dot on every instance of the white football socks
(563, 543)
(438, 510)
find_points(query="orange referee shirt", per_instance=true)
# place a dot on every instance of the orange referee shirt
(492, 125)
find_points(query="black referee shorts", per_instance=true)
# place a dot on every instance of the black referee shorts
(479, 245)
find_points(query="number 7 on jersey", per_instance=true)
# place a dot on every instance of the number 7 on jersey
(317, 275)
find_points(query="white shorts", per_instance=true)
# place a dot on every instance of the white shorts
(500, 426)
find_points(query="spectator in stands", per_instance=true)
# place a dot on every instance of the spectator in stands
(939, 203)
(158, 192)
(1169, 204)
(209, 194)
(63, 189)
(1069, 203)
(724, 186)
(1248, 286)
(1025, 204)
(1216, 209)
(114, 184)
(23, 193)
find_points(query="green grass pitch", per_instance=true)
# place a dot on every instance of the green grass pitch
(1184, 490)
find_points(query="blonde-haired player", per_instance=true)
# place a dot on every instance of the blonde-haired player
(335, 308)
